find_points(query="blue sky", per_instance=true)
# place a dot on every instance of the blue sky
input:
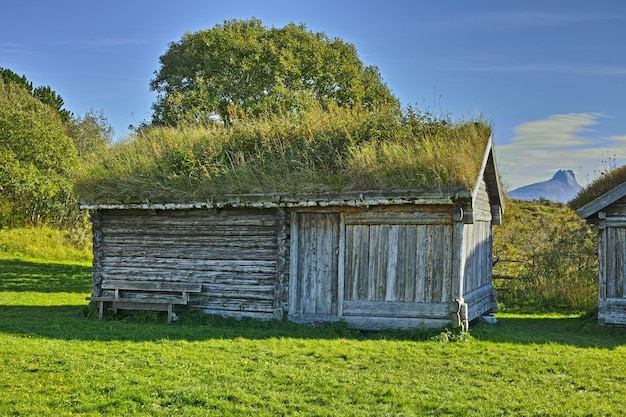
(549, 75)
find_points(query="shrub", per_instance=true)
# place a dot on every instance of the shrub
(545, 258)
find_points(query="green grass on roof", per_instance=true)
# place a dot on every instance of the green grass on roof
(314, 151)
(605, 183)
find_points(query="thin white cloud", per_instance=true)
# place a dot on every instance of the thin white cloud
(103, 45)
(496, 64)
(557, 131)
(12, 48)
(528, 18)
(565, 141)
(571, 69)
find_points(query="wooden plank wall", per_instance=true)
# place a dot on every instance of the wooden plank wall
(314, 269)
(233, 253)
(617, 209)
(615, 267)
(395, 259)
(612, 265)
(477, 242)
(397, 268)
(612, 284)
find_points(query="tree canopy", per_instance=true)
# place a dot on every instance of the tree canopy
(37, 158)
(242, 66)
(45, 94)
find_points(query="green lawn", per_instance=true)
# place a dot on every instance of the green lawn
(57, 359)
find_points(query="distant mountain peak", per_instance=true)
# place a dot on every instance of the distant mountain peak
(561, 188)
(565, 176)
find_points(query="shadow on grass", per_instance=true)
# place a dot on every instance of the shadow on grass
(45, 277)
(536, 329)
(72, 322)
(78, 322)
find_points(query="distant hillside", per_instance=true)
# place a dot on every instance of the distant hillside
(561, 188)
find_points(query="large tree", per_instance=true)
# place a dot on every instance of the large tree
(242, 66)
(37, 158)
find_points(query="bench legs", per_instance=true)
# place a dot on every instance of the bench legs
(102, 309)
(170, 312)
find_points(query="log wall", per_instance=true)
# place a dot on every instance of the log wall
(232, 253)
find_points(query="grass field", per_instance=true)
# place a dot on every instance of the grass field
(57, 359)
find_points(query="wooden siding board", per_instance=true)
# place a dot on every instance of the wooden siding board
(618, 254)
(397, 290)
(602, 255)
(396, 309)
(324, 270)
(349, 279)
(398, 217)
(410, 261)
(446, 273)
(610, 264)
(433, 266)
(282, 264)
(341, 265)
(294, 288)
(363, 265)
(612, 311)
(181, 275)
(420, 279)
(305, 271)
(375, 263)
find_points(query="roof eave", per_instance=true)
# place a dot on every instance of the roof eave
(602, 201)
(352, 199)
(489, 172)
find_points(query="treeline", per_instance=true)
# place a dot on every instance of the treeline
(41, 146)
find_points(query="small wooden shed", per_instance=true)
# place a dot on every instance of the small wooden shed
(608, 212)
(376, 259)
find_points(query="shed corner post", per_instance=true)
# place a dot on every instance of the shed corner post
(458, 307)
(282, 264)
(98, 251)
(293, 264)
(602, 265)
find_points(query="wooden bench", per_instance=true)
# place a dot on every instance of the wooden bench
(144, 295)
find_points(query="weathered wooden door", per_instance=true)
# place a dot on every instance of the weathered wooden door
(313, 289)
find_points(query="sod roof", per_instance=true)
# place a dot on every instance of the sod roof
(333, 150)
(599, 187)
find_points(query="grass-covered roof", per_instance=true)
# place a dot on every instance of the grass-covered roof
(314, 151)
(605, 183)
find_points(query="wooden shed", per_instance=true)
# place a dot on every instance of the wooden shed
(608, 212)
(376, 259)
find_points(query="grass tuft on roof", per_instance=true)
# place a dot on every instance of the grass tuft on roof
(317, 150)
(605, 183)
